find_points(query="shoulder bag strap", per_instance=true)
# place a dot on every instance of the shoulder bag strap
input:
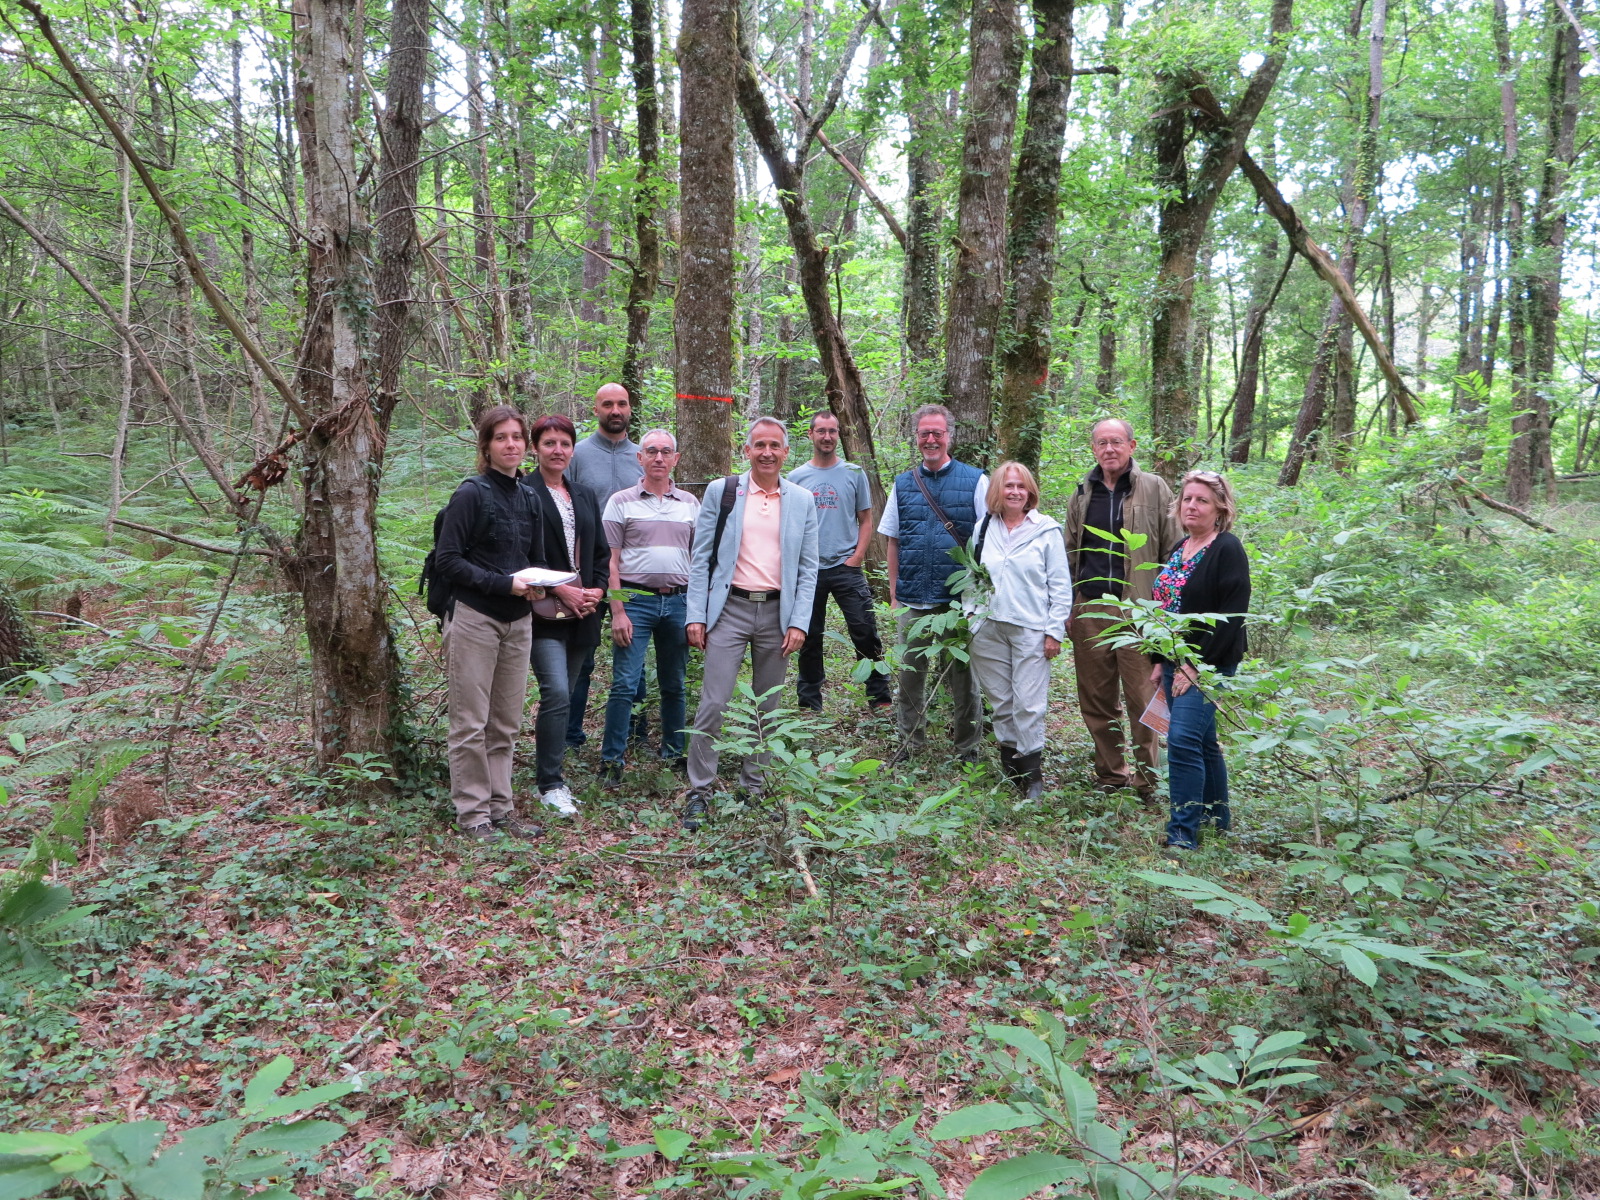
(949, 525)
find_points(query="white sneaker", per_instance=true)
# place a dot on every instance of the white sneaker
(560, 798)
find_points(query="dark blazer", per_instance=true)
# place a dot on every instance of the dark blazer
(594, 556)
(1220, 583)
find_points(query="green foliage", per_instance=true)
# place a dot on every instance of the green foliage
(221, 1160)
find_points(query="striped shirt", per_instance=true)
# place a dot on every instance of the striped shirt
(653, 532)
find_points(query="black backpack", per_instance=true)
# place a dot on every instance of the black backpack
(438, 591)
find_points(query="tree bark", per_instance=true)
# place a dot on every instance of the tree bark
(977, 283)
(703, 310)
(842, 380)
(646, 270)
(1519, 455)
(400, 131)
(1031, 250)
(597, 241)
(20, 650)
(354, 667)
(924, 211)
(1263, 294)
(1549, 237)
(1185, 215)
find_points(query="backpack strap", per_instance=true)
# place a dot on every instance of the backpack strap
(730, 493)
(983, 533)
(483, 526)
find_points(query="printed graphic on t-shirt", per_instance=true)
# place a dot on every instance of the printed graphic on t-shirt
(827, 498)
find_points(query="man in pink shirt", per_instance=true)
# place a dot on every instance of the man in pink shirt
(752, 586)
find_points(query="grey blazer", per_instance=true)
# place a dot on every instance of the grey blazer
(799, 545)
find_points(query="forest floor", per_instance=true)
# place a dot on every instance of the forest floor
(520, 1015)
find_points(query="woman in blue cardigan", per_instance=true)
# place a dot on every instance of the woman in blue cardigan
(1206, 573)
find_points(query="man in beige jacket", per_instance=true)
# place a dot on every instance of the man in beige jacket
(1115, 497)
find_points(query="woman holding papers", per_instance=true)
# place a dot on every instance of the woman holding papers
(566, 625)
(1019, 620)
(1207, 572)
(490, 530)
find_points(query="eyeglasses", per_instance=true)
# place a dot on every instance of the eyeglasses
(658, 451)
(1110, 443)
(932, 435)
(1206, 476)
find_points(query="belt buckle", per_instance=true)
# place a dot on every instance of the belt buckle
(759, 597)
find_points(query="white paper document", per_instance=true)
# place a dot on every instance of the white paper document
(540, 577)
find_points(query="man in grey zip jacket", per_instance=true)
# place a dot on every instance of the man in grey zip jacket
(1117, 498)
(759, 596)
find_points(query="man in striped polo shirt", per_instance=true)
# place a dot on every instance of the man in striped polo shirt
(649, 527)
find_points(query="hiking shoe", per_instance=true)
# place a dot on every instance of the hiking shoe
(515, 826)
(696, 809)
(561, 799)
(611, 775)
(484, 831)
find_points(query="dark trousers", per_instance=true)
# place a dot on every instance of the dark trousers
(847, 585)
(555, 665)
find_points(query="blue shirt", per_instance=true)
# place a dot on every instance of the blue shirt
(841, 492)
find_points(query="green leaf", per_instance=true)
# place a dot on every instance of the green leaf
(673, 1143)
(1275, 1044)
(287, 1106)
(20, 1179)
(304, 1138)
(1024, 1175)
(1025, 1042)
(132, 1145)
(1359, 965)
(984, 1118)
(1217, 1066)
(38, 1144)
(264, 1085)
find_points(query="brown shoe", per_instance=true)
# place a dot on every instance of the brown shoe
(515, 826)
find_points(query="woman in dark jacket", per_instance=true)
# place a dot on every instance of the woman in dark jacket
(574, 540)
(1206, 573)
(490, 530)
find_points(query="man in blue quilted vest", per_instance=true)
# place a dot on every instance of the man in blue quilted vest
(931, 510)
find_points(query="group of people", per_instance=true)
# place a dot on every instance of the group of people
(748, 569)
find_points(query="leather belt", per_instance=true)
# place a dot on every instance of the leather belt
(654, 591)
(754, 597)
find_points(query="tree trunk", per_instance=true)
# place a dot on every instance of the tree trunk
(703, 310)
(841, 378)
(1425, 310)
(646, 272)
(1031, 253)
(597, 240)
(398, 171)
(1549, 238)
(924, 211)
(261, 428)
(1519, 455)
(1263, 293)
(1185, 215)
(354, 667)
(977, 277)
(125, 381)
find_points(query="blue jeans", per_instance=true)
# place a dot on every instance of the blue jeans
(660, 618)
(555, 664)
(1197, 776)
(580, 702)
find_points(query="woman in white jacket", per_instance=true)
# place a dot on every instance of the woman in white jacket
(1018, 616)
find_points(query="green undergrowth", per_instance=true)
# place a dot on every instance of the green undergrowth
(1386, 972)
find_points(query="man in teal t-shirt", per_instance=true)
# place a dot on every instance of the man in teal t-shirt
(844, 527)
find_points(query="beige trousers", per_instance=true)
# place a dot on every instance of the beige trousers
(1100, 672)
(486, 664)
